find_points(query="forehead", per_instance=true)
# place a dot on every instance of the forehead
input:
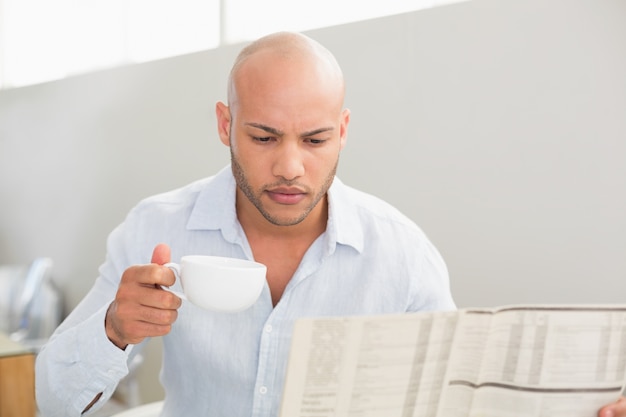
(274, 88)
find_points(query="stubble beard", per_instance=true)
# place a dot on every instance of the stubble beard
(255, 198)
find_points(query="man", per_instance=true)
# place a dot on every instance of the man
(329, 250)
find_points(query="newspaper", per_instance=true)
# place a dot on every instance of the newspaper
(511, 361)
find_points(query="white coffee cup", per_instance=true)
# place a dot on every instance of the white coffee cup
(219, 283)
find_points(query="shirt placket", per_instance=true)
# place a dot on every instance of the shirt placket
(265, 386)
(274, 333)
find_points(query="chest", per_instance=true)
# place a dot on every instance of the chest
(282, 263)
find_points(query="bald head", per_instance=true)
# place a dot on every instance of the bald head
(285, 49)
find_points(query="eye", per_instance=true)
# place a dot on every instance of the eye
(316, 141)
(261, 139)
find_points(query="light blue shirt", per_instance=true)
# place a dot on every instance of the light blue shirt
(370, 260)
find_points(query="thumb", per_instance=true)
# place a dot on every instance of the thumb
(606, 411)
(161, 254)
(614, 410)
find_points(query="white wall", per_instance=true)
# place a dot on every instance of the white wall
(499, 126)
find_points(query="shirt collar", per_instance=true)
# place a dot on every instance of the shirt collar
(214, 209)
(344, 222)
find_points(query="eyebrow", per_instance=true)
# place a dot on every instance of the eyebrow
(278, 132)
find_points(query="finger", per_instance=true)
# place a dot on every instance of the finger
(617, 409)
(161, 254)
(141, 285)
(148, 330)
(164, 276)
(150, 275)
(136, 331)
(124, 331)
(159, 298)
(156, 316)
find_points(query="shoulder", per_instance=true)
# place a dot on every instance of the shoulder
(157, 218)
(178, 197)
(172, 207)
(391, 244)
(373, 211)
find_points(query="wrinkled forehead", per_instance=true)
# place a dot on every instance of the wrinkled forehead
(283, 92)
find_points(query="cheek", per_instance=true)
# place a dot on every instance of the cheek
(252, 164)
(242, 153)
(326, 162)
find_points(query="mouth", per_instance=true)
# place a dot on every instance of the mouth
(286, 195)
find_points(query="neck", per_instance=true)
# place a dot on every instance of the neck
(255, 224)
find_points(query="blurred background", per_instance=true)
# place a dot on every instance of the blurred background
(499, 126)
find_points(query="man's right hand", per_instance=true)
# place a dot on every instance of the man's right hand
(141, 308)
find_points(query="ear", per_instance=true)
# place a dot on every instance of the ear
(343, 128)
(223, 122)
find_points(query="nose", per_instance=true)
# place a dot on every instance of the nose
(289, 161)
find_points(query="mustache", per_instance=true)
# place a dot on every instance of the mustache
(286, 183)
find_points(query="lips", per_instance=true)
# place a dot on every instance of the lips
(284, 195)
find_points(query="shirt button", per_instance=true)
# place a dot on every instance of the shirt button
(268, 328)
(263, 390)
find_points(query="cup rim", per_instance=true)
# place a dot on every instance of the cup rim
(224, 262)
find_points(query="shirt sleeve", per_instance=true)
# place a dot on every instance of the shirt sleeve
(79, 361)
(78, 364)
(431, 286)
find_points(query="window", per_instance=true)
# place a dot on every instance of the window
(42, 40)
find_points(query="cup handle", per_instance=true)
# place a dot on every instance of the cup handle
(176, 270)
